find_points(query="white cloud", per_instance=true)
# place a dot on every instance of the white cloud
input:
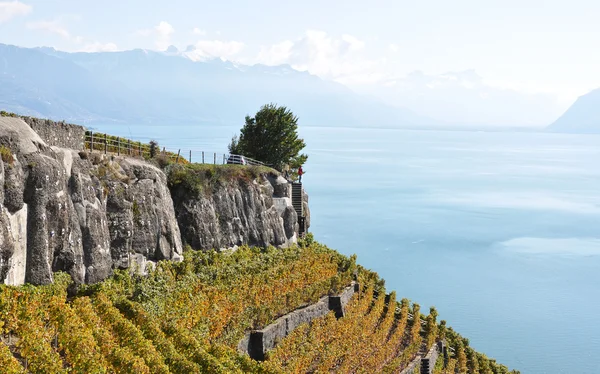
(393, 48)
(53, 27)
(277, 54)
(11, 9)
(198, 31)
(354, 44)
(341, 59)
(99, 47)
(162, 32)
(164, 29)
(208, 49)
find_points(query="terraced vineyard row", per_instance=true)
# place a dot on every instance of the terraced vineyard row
(374, 336)
(462, 359)
(184, 317)
(188, 317)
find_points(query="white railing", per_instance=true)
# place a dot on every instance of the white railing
(243, 160)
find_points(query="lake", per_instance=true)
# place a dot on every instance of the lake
(499, 231)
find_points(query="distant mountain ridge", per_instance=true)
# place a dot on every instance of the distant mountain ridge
(141, 87)
(582, 117)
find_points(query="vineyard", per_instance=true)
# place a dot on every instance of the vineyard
(377, 335)
(464, 359)
(372, 337)
(188, 317)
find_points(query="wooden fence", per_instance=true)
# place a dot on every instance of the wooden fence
(105, 143)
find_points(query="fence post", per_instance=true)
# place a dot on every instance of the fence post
(91, 141)
(215, 161)
(140, 149)
(118, 146)
(190, 156)
(177, 159)
(105, 143)
(129, 147)
(223, 159)
(202, 156)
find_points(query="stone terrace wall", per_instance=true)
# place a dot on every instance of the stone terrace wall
(413, 367)
(58, 134)
(425, 365)
(258, 343)
(428, 362)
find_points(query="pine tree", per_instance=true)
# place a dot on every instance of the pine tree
(271, 136)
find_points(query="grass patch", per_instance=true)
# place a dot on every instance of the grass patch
(6, 155)
(199, 178)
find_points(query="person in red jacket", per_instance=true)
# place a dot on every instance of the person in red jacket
(300, 172)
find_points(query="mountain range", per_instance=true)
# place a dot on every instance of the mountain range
(582, 117)
(465, 97)
(145, 87)
(149, 87)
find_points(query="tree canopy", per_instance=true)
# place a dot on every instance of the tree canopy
(271, 136)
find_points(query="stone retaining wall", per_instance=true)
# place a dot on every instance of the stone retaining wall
(425, 365)
(58, 134)
(414, 366)
(257, 343)
(428, 362)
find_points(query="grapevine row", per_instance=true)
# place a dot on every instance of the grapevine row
(188, 317)
(373, 336)
(204, 305)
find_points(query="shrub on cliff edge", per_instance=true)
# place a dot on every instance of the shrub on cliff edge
(4, 113)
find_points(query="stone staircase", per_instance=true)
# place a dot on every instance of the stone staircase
(298, 206)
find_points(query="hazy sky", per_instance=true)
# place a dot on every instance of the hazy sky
(534, 46)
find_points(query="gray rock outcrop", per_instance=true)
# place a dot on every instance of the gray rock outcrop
(306, 209)
(61, 210)
(64, 209)
(235, 213)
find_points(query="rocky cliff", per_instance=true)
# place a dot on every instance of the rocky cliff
(62, 209)
(216, 208)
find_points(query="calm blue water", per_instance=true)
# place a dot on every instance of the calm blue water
(499, 231)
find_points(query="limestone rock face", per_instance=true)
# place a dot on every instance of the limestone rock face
(290, 221)
(236, 213)
(13, 186)
(53, 234)
(62, 209)
(82, 214)
(6, 241)
(281, 187)
(306, 209)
